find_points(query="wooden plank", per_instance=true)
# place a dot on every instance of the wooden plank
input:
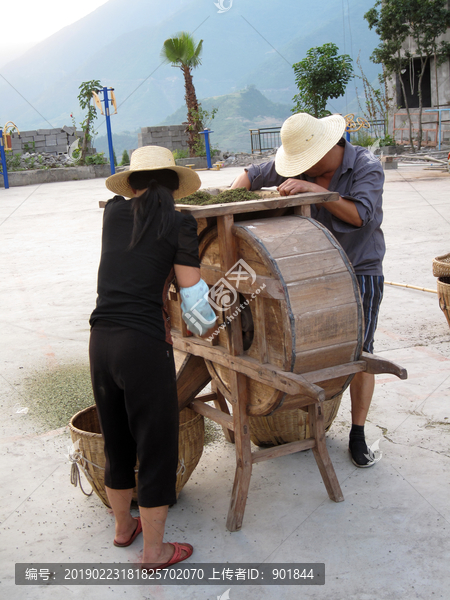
(336, 354)
(284, 381)
(228, 258)
(326, 327)
(285, 236)
(212, 413)
(310, 264)
(303, 211)
(338, 371)
(270, 287)
(249, 206)
(283, 450)
(221, 404)
(331, 290)
(208, 397)
(243, 453)
(260, 330)
(192, 377)
(321, 455)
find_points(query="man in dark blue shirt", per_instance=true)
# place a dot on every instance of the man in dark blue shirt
(315, 158)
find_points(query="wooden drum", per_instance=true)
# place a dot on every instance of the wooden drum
(304, 310)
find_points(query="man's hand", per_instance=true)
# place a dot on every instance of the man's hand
(298, 186)
(342, 208)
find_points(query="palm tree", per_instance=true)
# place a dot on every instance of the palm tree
(183, 52)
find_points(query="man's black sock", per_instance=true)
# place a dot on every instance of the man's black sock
(357, 431)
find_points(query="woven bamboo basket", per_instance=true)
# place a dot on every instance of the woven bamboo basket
(441, 266)
(443, 289)
(289, 426)
(89, 455)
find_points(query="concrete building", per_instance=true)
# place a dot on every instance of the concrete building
(435, 95)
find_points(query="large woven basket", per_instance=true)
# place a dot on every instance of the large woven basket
(441, 266)
(89, 455)
(443, 289)
(289, 426)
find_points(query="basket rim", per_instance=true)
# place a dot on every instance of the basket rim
(444, 258)
(441, 265)
(83, 431)
(443, 283)
(197, 417)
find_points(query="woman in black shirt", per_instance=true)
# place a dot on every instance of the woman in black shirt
(144, 242)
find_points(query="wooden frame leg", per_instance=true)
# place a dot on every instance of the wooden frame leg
(317, 431)
(221, 404)
(243, 454)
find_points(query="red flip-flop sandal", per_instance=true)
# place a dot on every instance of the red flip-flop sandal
(137, 531)
(176, 557)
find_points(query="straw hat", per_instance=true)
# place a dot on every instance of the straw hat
(151, 158)
(305, 140)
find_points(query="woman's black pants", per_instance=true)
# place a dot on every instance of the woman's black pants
(134, 384)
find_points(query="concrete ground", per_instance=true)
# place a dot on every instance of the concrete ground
(388, 539)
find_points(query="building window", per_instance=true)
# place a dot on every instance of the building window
(411, 82)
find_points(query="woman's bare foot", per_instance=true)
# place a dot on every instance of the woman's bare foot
(125, 530)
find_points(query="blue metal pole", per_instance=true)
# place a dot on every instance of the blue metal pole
(108, 129)
(206, 133)
(5, 170)
(347, 135)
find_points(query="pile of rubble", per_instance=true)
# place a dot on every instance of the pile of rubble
(42, 160)
(243, 159)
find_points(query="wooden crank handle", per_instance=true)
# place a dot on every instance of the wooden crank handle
(376, 364)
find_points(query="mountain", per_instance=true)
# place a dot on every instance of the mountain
(255, 42)
(236, 114)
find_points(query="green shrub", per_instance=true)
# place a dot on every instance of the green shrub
(362, 138)
(387, 141)
(180, 154)
(96, 159)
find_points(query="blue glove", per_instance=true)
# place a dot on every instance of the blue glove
(196, 310)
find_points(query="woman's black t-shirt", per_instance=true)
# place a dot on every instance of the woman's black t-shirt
(133, 284)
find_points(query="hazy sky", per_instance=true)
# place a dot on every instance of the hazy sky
(25, 22)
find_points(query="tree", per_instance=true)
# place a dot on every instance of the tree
(378, 101)
(125, 158)
(320, 76)
(427, 20)
(183, 52)
(422, 21)
(85, 99)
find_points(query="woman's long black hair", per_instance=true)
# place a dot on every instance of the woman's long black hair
(159, 186)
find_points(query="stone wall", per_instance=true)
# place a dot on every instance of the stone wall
(33, 177)
(170, 136)
(52, 141)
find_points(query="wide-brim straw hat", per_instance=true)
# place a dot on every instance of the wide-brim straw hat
(152, 158)
(305, 140)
